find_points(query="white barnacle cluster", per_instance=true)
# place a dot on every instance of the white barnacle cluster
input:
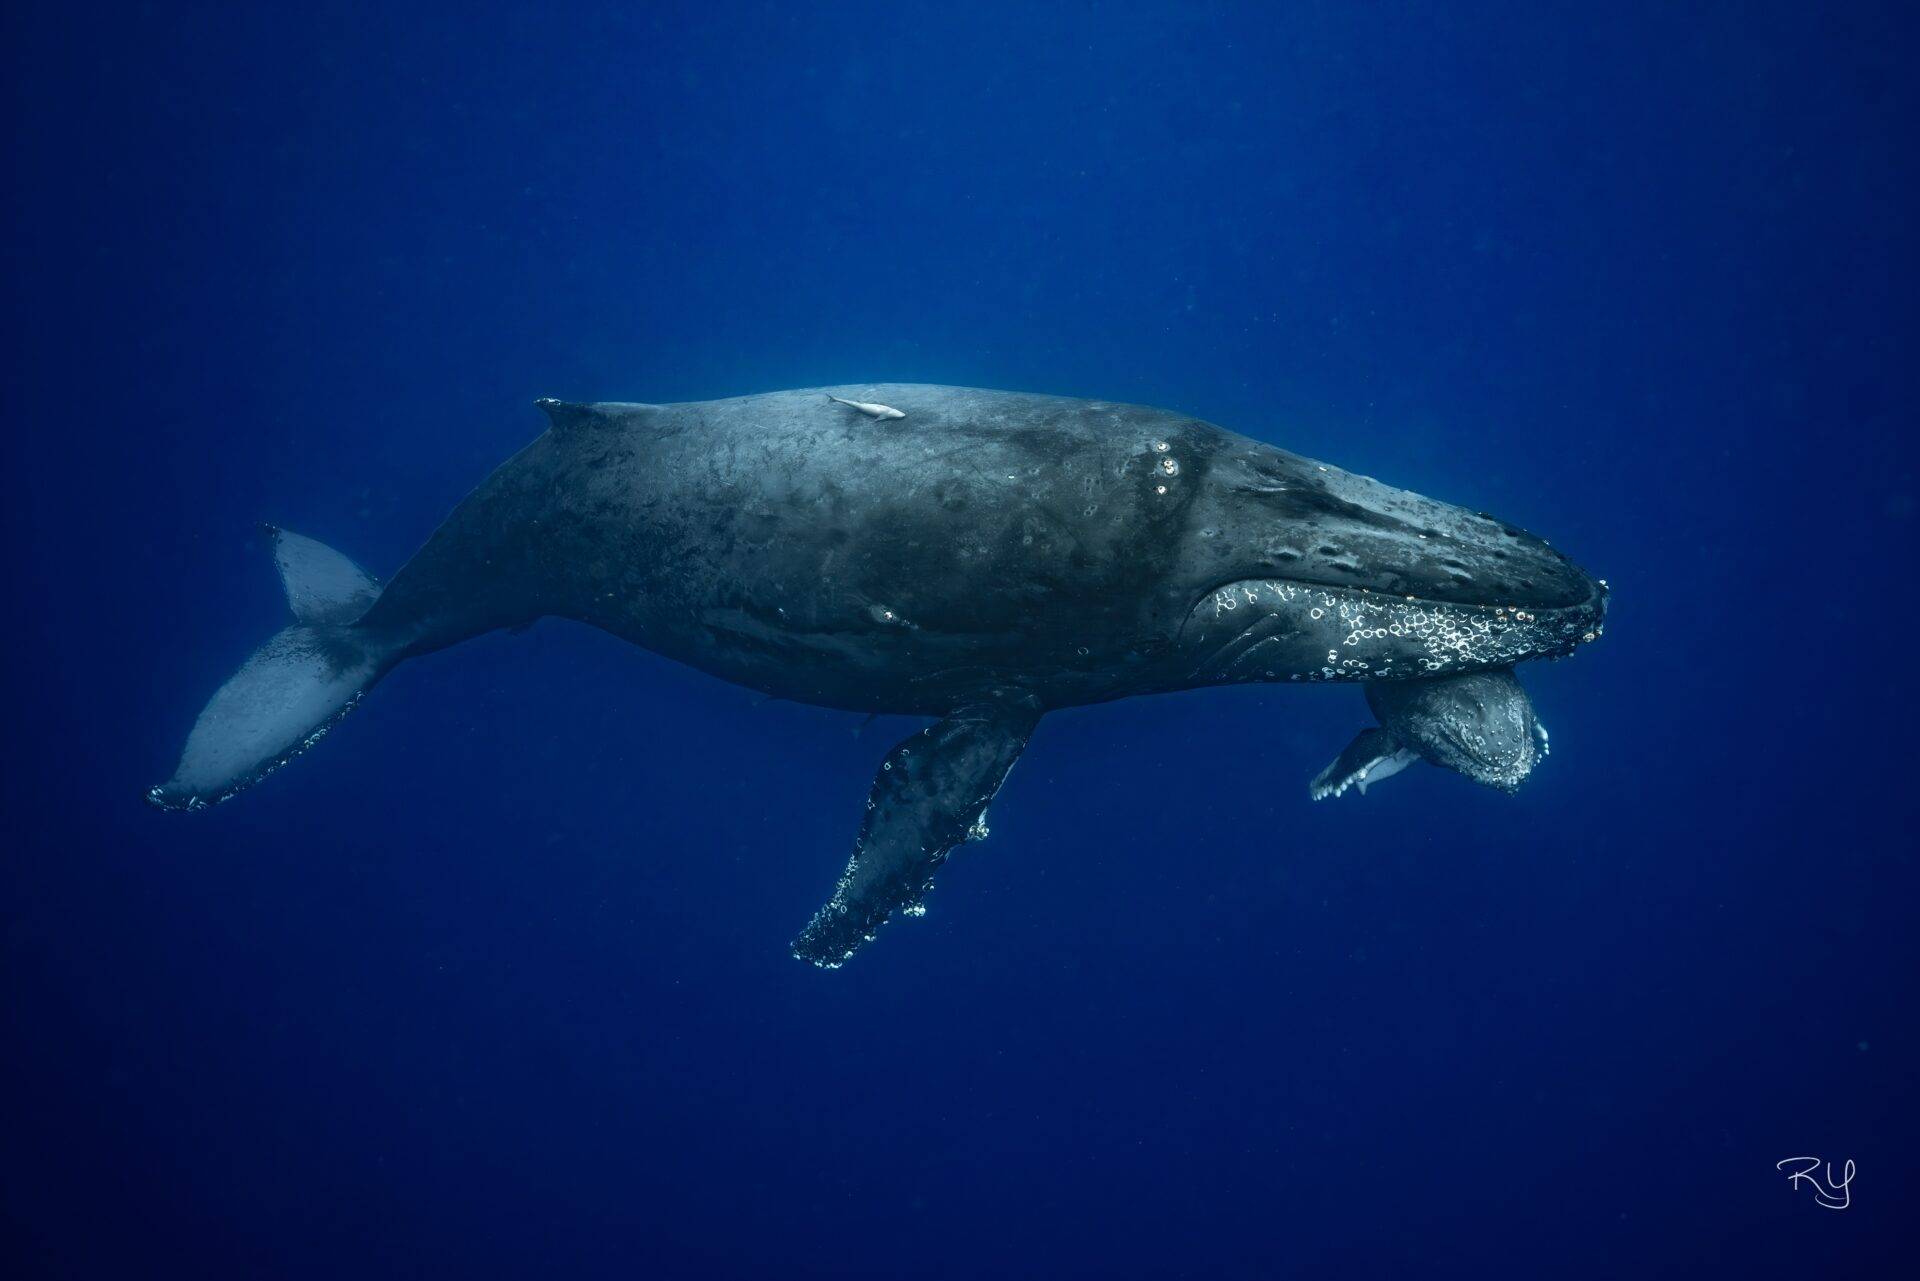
(1451, 637)
(1501, 746)
(1366, 636)
(1167, 466)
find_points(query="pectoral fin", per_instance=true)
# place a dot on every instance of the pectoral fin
(1373, 755)
(930, 795)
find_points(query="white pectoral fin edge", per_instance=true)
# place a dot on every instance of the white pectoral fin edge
(1373, 755)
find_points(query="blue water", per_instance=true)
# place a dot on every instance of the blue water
(494, 982)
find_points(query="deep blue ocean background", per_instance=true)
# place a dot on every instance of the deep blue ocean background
(495, 982)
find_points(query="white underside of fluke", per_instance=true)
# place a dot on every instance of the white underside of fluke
(278, 704)
(293, 689)
(322, 585)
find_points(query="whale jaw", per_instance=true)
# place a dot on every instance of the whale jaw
(1275, 629)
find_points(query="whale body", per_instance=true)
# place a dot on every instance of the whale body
(990, 557)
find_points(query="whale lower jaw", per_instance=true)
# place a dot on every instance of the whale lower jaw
(1271, 629)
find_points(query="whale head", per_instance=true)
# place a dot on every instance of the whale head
(1327, 575)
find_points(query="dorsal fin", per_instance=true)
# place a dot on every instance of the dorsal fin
(566, 415)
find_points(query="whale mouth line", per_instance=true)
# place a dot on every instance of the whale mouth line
(1595, 603)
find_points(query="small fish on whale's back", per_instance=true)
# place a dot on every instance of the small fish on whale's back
(870, 410)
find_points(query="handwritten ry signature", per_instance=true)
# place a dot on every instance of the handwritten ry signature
(1830, 1193)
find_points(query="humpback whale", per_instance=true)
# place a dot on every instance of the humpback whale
(991, 557)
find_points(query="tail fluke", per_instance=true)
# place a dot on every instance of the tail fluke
(294, 688)
(322, 585)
